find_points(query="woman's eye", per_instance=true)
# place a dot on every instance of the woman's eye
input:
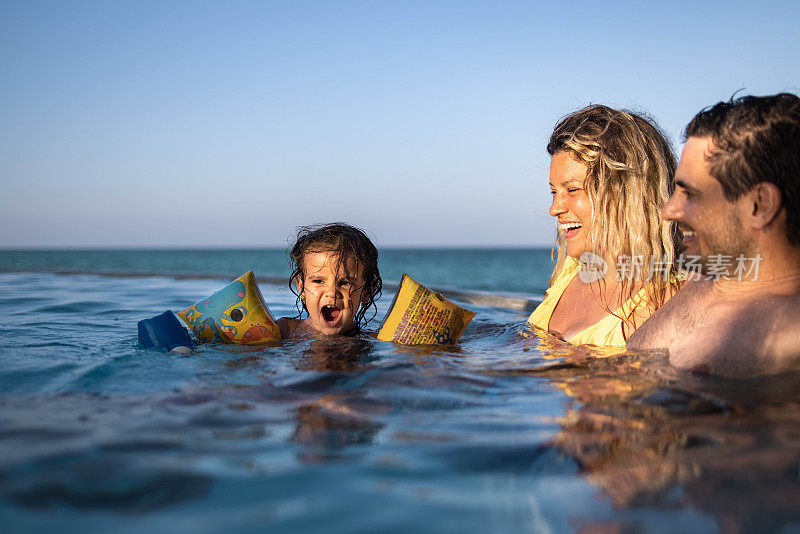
(573, 190)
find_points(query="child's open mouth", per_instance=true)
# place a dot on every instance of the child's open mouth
(331, 315)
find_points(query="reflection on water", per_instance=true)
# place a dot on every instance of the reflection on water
(328, 425)
(336, 354)
(649, 436)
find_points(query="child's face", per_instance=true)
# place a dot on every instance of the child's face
(332, 298)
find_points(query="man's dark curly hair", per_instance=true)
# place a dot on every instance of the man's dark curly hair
(346, 242)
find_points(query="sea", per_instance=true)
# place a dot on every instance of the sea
(511, 430)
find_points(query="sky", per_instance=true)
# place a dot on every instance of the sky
(230, 124)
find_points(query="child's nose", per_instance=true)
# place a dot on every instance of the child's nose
(332, 289)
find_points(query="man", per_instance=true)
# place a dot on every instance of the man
(737, 201)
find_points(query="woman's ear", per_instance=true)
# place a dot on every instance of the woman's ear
(764, 204)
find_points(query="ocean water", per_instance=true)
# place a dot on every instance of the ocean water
(510, 431)
(516, 271)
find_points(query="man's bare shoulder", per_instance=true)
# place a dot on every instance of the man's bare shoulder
(778, 317)
(764, 336)
(673, 318)
(729, 330)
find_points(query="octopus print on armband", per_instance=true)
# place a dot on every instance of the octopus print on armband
(236, 313)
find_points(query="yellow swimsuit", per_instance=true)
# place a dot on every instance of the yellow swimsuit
(607, 331)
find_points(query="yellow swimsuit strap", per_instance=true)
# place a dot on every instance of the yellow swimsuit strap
(607, 331)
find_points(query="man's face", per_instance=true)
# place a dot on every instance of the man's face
(710, 223)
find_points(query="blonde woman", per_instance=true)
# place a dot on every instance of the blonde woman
(611, 172)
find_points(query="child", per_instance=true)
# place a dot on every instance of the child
(336, 279)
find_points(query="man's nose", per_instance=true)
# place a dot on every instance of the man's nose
(557, 207)
(673, 209)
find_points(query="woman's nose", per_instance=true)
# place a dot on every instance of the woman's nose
(557, 207)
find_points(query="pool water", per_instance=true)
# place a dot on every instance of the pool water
(510, 431)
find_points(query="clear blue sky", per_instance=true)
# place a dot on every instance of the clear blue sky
(231, 123)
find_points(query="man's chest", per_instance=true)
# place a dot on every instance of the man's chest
(713, 331)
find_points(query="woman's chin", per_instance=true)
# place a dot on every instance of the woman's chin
(575, 252)
(575, 246)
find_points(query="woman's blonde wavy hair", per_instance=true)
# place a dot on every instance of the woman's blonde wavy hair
(631, 173)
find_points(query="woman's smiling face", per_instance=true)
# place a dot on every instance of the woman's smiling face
(331, 290)
(571, 204)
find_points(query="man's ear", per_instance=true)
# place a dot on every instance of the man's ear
(764, 204)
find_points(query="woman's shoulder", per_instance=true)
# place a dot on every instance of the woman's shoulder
(566, 272)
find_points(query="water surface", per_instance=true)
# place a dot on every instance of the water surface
(511, 431)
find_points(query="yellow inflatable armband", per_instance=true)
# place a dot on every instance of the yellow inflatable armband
(419, 316)
(236, 313)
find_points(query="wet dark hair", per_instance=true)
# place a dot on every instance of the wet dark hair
(755, 139)
(346, 242)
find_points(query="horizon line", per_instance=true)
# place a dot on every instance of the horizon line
(66, 248)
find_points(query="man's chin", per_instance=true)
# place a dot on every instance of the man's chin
(693, 252)
(691, 247)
